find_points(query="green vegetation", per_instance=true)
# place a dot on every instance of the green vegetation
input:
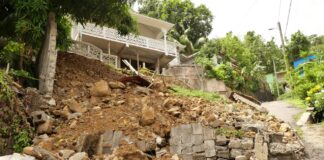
(299, 132)
(23, 25)
(230, 132)
(192, 24)
(5, 91)
(21, 140)
(177, 90)
(241, 64)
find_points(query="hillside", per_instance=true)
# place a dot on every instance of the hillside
(97, 116)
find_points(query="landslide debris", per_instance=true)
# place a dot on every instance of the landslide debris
(95, 116)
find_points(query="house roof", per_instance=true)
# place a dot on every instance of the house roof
(153, 22)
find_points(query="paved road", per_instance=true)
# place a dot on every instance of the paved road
(282, 110)
(313, 135)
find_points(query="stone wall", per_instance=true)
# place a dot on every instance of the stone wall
(198, 142)
(48, 57)
(193, 76)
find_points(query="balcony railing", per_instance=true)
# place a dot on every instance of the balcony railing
(170, 48)
(90, 51)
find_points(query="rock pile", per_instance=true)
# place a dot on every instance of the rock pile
(97, 117)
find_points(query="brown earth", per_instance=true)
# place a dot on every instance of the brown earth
(122, 110)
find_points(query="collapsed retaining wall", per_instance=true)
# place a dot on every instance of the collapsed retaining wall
(193, 76)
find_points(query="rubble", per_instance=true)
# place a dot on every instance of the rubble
(111, 119)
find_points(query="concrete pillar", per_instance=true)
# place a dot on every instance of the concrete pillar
(157, 65)
(138, 63)
(165, 42)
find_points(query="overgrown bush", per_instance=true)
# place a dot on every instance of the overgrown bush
(11, 52)
(307, 84)
(315, 98)
(5, 91)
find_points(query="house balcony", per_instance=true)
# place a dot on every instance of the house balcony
(128, 47)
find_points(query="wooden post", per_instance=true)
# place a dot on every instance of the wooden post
(138, 63)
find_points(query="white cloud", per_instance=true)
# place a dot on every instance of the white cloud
(241, 16)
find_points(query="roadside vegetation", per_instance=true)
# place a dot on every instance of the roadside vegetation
(181, 91)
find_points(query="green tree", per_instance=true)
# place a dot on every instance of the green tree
(192, 24)
(265, 52)
(298, 43)
(26, 21)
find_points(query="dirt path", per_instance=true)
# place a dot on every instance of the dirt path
(313, 135)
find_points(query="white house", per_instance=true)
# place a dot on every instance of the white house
(150, 48)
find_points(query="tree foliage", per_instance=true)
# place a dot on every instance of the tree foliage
(25, 21)
(298, 43)
(242, 64)
(192, 24)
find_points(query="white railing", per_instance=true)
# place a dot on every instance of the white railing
(90, 51)
(139, 41)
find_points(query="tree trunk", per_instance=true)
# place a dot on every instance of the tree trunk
(47, 58)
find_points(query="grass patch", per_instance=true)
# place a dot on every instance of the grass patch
(290, 98)
(297, 116)
(299, 132)
(230, 132)
(180, 91)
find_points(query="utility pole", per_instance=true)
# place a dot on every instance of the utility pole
(276, 77)
(283, 48)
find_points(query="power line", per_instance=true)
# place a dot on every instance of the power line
(279, 10)
(288, 17)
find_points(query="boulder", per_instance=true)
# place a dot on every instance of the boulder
(17, 156)
(79, 156)
(39, 153)
(75, 107)
(100, 89)
(66, 153)
(46, 127)
(117, 85)
(148, 116)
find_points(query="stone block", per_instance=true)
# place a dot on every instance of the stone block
(187, 157)
(209, 144)
(235, 144)
(197, 128)
(221, 140)
(247, 143)
(236, 152)
(198, 148)
(209, 133)
(210, 153)
(221, 148)
(197, 139)
(186, 139)
(174, 149)
(116, 138)
(260, 148)
(187, 150)
(199, 156)
(223, 154)
(185, 129)
(241, 158)
(175, 140)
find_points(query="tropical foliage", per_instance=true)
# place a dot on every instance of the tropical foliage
(192, 24)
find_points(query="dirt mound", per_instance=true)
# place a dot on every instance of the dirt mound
(126, 120)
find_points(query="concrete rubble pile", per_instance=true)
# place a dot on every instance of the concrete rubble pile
(101, 118)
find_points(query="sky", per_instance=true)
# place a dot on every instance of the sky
(240, 16)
